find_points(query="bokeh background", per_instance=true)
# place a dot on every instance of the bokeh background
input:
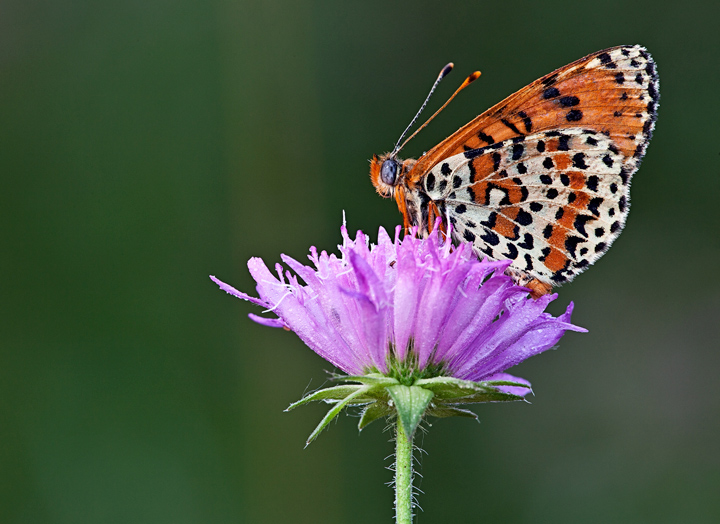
(147, 144)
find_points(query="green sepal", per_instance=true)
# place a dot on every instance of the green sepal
(333, 394)
(443, 411)
(371, 379)
(486, 396)
(372, 412)
(494, 383)
(334, 412)
(453, 390)
(410, 403)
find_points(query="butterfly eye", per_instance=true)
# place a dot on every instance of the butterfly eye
(388, 172)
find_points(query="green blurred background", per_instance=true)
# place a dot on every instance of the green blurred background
(147, 144)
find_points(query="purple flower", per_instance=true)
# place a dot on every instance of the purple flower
(409, 307)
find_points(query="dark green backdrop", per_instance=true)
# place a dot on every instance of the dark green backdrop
(145, 144)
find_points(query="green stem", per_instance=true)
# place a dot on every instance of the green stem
(403, 476)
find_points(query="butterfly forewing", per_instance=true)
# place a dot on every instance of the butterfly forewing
(552, 202)
(614, 91)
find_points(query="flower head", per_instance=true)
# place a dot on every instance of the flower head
(410, 310)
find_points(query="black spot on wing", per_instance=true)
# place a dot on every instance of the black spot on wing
(571, 243)
(549, 79)
(517, 151)
(528, 262)
(607, 61)
(490, 238)
(496, 160)
(491, 220)
(523, 193)
(548, 231)
(527, 242)
(582, 263)
(527, 121)
(579, 161)
(564, 143)
(580, 222)
(622, 204)
(574, 115)
(485, 138)
(510, 126)
(551, 92)
(430, 181)
(471, 168)
(592, 182)
(523, 218)
(512, 252)
(569, 101)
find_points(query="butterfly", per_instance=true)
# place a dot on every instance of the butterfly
(541, 178)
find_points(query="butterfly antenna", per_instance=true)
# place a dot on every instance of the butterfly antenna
(469, 80)
(443, 73)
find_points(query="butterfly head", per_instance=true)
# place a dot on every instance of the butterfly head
(387, 172)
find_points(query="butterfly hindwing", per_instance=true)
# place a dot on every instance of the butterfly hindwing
(552, 202)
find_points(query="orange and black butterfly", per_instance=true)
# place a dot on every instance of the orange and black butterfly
(543, 177)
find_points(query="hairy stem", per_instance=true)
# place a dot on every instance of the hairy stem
(403, 476)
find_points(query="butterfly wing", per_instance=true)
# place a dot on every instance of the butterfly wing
(613, 92)
(543, 177)
(552, 202)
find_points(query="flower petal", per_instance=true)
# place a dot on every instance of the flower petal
(301, 314)
(269, 322)
(513, 390)
(367, 309)
(232, 291)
